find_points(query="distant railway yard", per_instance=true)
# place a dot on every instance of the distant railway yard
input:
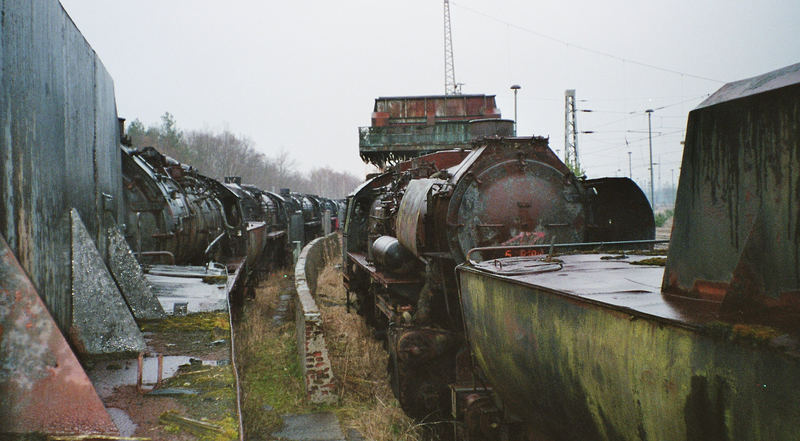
(476, 286)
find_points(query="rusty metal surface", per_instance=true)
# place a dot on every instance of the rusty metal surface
(774, 80)
(479, 254)
(389, 255)
(736, 234)
(173, 208)
(43, 386)
(256, 241)
(513, 194)
(383, 278)
(405, 127)
(614, 282)
(438, 161)
(409, 223)
(59, 144)
(415, 109)
(594, 351)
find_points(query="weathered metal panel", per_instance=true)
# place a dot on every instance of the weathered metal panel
(256, 241)
(108, 206)
(410, 220)
(79, 115)
(415, 109)
(514, 192)
(577, 369)
(737, 216)
(404, 127)
(49, 141)
(33, 123)
(774, 80)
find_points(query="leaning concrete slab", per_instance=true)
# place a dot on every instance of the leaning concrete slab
(130, 278)
(43, 387)
(101, 321)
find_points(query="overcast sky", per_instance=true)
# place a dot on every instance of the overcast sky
(302, 75)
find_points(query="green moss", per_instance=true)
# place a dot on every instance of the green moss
(215, 402)
(215, 280)
(754, 333)
(201, 321)
(748, 333)
(224, 429)
(274, 381)
(655, 261)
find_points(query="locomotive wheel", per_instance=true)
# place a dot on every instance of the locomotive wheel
(422, 391)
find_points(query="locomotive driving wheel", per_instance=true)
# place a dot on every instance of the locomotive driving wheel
(420, 384)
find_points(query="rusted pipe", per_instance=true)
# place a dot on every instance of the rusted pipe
(582, 245)
(160, 369)
(140, 366)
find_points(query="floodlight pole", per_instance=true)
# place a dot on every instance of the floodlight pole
(515, 88)
(650, 137)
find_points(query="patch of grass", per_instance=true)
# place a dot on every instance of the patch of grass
(200, 321)
(662, 216)
(225, 429)
(654, 261)
(270, 373)
(216, 386)
(215, 401)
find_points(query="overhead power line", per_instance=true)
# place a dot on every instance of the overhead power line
(586, 49)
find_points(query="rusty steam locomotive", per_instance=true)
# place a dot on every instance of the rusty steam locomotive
(408, 228)
(178, 216)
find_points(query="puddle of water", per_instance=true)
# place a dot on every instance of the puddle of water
(110, 374)
(198, 295)
(315, 426)
(123, 421)
(281, 315)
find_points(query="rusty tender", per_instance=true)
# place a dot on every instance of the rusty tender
(609, 347)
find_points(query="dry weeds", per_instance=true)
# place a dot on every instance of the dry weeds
(359, 365)
(271, 375)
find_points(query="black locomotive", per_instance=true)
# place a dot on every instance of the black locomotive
(408, 228)
(178, 216)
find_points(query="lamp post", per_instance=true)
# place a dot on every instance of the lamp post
(515, 88)
(650, 137)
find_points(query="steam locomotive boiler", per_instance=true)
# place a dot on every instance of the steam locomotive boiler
(173, 211)
(408, 228)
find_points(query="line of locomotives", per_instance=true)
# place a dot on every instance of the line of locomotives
(408, 228)
(496, 318)
(177, 216)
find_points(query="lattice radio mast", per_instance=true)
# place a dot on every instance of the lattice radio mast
(570, 131)
(450, 85)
